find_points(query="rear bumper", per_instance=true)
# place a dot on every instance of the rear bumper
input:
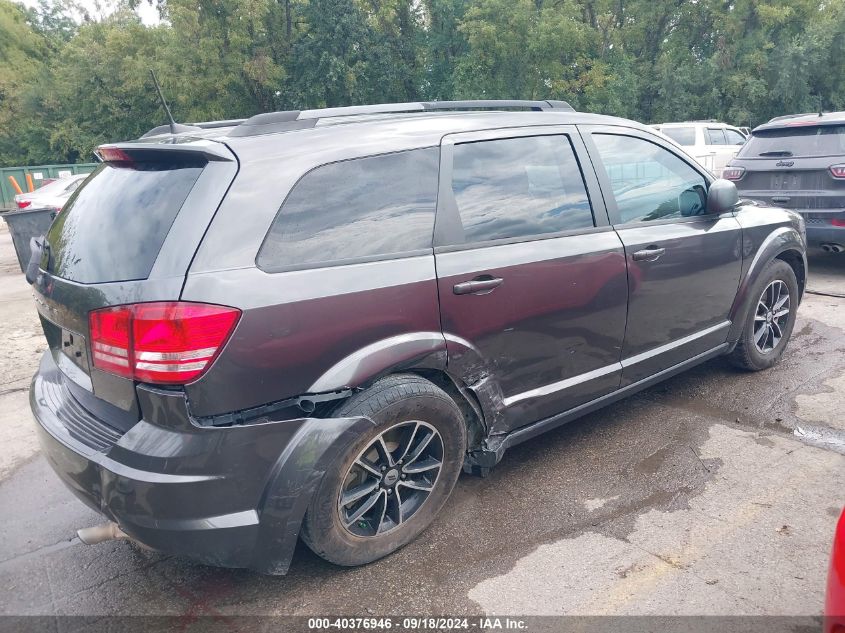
(232, 497)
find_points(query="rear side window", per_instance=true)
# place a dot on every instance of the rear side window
(365, 208)
(681, 135)
(818, 140)
(715, 136)
(519, 187)
(114, 225)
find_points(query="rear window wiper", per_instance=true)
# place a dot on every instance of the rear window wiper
(780, 152)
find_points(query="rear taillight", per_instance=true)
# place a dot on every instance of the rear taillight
(837, 171)
(171, 342)
(733, 173)
(838, 222)
(23, 204)
(111, 339)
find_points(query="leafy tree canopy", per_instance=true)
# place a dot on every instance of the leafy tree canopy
(69, 82)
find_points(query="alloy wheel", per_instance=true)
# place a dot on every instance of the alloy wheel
(771, 317)
(390, 479)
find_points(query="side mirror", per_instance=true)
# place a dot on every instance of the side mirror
(722, 196)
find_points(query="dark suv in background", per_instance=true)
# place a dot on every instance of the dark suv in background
(798, 162)
(305, 324)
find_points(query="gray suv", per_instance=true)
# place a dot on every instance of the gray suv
(798, 161)
(306, 324)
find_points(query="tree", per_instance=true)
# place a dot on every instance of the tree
(341, 58)
(70, 81)
(22, 51)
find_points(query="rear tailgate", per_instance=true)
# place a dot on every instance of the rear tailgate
(127, 235)
(790, 166)
(804, 184)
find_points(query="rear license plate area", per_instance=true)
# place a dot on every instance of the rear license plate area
(785, 181)
(73, 346)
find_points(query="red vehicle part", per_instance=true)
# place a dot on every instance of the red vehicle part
(835, 603)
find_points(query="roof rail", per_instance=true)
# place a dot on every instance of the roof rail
(271, 122)
(209, 125)
(422, 106)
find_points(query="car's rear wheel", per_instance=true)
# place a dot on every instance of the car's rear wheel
(392, 481)
(770, 320)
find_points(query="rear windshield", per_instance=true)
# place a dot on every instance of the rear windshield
(681, 135)
(113, 226)
(818, 140)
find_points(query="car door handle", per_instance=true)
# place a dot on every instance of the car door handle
(781, 199)
(479, 286)
(650, 254)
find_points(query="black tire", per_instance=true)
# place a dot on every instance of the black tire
(389, 402)
(746, 354)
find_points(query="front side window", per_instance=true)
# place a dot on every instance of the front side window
(681, 135)
(519, 187)
(363, 208)
(734, 137)
(649, 182)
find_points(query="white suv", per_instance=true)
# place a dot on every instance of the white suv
(711, 143)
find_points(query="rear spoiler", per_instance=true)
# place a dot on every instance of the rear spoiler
(171, 152)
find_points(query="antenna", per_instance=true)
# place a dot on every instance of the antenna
(164, 103)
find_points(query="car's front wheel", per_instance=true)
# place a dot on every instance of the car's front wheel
(392, 482)
(770, 320)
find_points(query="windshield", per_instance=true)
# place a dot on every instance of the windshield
(114, 225)
(807, 141)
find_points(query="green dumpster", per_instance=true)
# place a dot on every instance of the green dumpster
(38, 174)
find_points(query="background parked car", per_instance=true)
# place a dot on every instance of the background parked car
(53, 195)
(798, 162)
(711, 143)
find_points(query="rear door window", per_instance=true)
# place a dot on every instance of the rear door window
(114, 225)
(716, 136)
(805, 141)
(681, 135)
(355, 210)
(519, 187)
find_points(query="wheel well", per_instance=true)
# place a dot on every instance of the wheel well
(463, 397)
(796, 262)
(466, 401)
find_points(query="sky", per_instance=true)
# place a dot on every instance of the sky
(101, 8)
